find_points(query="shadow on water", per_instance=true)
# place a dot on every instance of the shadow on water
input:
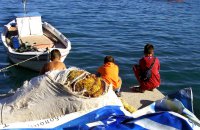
(14, 77)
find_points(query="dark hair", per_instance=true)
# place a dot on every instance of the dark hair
(55, 54)
(148, 49)
(109, 59)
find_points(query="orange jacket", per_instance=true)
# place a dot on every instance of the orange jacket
(110, 73)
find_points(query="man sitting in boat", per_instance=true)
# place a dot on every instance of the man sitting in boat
(55, 63)
(110, 73)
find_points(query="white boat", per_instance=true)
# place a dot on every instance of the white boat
(28, 41)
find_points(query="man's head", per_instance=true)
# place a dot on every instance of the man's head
(148, 49)
(108, 59)
(55, 54)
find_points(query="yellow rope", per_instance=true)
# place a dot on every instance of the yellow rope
(128, 107)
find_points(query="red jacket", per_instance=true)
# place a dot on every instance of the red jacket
(154, 81)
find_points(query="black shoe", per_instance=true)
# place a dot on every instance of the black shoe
(118, 94)
(151, 89)
(137, 89)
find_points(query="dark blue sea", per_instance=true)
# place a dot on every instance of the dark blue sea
(120, 28)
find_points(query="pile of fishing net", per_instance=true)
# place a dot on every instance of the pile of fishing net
(85, 84)
(57, 93)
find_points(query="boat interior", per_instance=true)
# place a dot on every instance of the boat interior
(32, 33)
(47, 40)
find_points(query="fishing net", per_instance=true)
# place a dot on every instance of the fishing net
(85, 84)
(57, 93)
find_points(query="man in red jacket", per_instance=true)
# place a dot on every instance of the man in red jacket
(144, 64)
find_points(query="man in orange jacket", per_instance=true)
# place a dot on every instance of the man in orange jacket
(110, 73)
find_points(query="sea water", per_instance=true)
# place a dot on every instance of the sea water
(119, 28)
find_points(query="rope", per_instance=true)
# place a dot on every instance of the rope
(1, 70)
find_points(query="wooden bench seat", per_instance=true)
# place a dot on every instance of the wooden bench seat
(39, 42)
